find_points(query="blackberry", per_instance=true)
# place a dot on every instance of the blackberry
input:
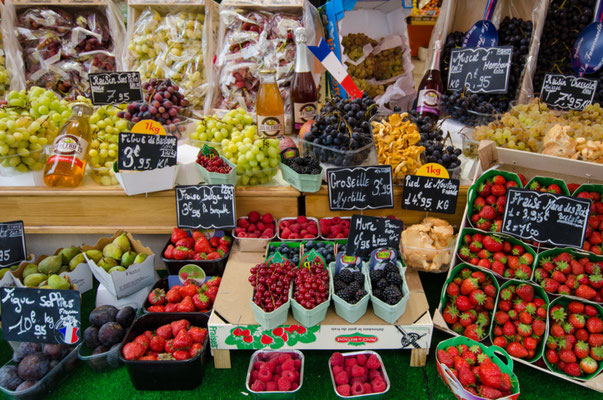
(347, 295)
(360, 294)
(382, 283)
(304, 165)
(355, 286)
(394, 278)
(378, 293)
(359, 277)
(375, 275)
(392, 295)
(339, 285)
(346, 275)
(391, 267)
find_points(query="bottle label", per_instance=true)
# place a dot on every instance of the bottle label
(271, 125)
(429, 101)
(69, 148)
(303, 112)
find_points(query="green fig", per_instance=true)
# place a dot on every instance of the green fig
(34, 280)
(68, 253)
(122, 241)
(3, 271)
(128, 258)
(58, 282)
(140, 258)
(107, 263)
(64, 268)
(94, 255)
(117, 268)
(77, 260)
(112, 250)
(50, 265)
(30, 269)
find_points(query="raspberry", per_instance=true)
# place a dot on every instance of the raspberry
(373, 373)
(254, 376)
(373, 362)
(357, 388)
(288, 365)
(270, 365)
(350, 361)
(367, 388)
(361, 359)
(276, 377)
(257, 365)
(341, 378)
(343, 390)
(337, 369)
(271, 387)
(294, 386)
(258, 386)
(297, 364)
(357, 371)
(284, 385)
(378, 385)
(290, 375)
(267, 218)
(265, 374)
(337, 359)
(278, 370)
(254, 217)
(284, 357)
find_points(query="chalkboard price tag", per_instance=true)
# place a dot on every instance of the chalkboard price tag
(12, 243)
(563, 91)
(206, 206)
(115, 87)
(143, 152)
(480, 69)
(370, 233)
(424, 193)
(546, 217)
(359, 188)
(40, 315)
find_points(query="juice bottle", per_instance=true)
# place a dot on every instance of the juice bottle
(304, 96)
(269, 107)
(431, 88)
(66, 165)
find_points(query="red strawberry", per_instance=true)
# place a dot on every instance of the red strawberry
(133, 351)
(474, 332)
(581, 350)
(551, 356)
(186, 305)
(490, 375)
(173, 295)
(517, 350)
(468, 286)
(445, 358)
(451, 314)
(586, 292)
(179, 325)
(466, 377)
(489, 393)
(567, 356)
(525, 292)
(463, 303)
(594, 325)
(487, 212)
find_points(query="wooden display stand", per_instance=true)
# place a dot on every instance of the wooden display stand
(232, 325)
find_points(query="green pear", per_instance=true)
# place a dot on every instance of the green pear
(3, 271)
(30, 269)
(128, 258)
(122, 241)
(50, 265)
(107, 263)
(68, 253)
(33, 280)
(94, 255)
(77, 260)
(112, 250)
(140, 258)
(58, 282)
(117, 268)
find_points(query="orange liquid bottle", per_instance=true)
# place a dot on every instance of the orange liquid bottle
(67, 163)
(269, 108)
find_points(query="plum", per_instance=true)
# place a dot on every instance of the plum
(56, 351)
(91, 337)
(33, 367)
(125, 316)
(9, 377)
(103, 314)
(110, 334)
(25, 385)
(53, 363)
(25, 349)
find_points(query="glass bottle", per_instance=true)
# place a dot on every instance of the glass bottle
(269, 108)
(304, 96)
(431, 87)
(67, 163)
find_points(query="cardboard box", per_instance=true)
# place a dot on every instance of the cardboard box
(155, 180)
(124, 283)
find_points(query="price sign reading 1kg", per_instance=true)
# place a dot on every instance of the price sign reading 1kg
(424, 193)
(40, 315)
(480, 70)
(115, 87)
(562, 91)
(142, 152)
(546, 217)
(359, 188)
(12, 243)
(206, 206)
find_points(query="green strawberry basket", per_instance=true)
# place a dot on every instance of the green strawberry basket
(538, 292)
(388, 313)
(347, 311)
(473, 191)
(589, 187)
(215, 178)
(494, 352)
(314, 316)
(545, 181)
(453, 273)
(512, 240)
(308, 183)
(564, 301)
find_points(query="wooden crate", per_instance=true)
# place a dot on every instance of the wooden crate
(232, 314)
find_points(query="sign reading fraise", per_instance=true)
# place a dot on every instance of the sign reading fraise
(206, 206)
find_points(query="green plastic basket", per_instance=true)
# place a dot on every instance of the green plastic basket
(347, 311)
(273, 319)
(292, 245)
(302, 182)
(215, 178)
(386, 312)
(546, 181)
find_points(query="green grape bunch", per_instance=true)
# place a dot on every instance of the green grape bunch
(105, 126)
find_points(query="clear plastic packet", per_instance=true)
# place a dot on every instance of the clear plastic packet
(239, 85)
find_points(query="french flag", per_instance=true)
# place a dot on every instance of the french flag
(69, 334)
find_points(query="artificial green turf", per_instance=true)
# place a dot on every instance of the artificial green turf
(407, 382)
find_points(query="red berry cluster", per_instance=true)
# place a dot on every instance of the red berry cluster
(567, 274)
(311, 285)
(575, 343)
(298, 228)
(476, 371)
(489, 205)
(213, 164)
(335, 228)
(271, 284)
(542, 187)
(186, 298)
(520, 320)
(593, 238)
(357, 375)
(256, 226)
(275, 372)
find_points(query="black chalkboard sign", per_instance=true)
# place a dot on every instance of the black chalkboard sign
(206, 206)
(546, 217)
(426, 193)
(115, 87)
(12, 243)
(480, 69)
(143, 152)
(359, 188)
(563, 91)
(40, 315)
(370, 233)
